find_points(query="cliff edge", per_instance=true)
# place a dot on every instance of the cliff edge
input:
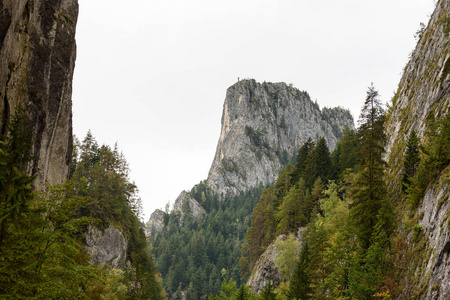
(37, 59)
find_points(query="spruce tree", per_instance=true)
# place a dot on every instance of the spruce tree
(301, 168)
(369, 190)
(411, 160)
(321, 162)
(300, 283)
(15, 183)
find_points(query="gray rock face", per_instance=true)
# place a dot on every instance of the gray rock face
(424, 87)
(37, 58)
(107, 247)
(187, 205)
(262, 126)
(156, 223)
(424, 90)
(265, 270)
(435, 224)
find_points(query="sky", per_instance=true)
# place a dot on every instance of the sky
(152, 75)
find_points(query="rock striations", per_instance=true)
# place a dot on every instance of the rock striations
(37, 58)
(424, 90)
(263, 125)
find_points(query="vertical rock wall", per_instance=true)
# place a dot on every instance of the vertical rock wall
(262, 125)
(37, 59)
(424, 91)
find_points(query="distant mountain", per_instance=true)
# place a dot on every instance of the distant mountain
(263, 125)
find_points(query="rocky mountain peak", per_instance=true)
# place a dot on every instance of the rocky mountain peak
(263, 125)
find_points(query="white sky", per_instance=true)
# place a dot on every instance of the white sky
(152, 74)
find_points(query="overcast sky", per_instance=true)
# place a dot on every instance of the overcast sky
(152, 74)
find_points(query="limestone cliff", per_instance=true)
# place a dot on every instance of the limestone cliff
(424, 91)
(262, 126)
(185, 204)
(155, 224)
(37, 58)
(265, 270)
(107, 246)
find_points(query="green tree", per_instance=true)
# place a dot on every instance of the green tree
(411, 160)
(300, 283)
(262, 230)
(268, 292)
(321, 161)
(15, 183)
(292, 212)
(369, 190)
(344, 156)
(303, 167)
(287, 255)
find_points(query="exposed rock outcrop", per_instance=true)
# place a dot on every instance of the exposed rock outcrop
(187, 205)
(156, 223)
(265, 270)
(263, 125)
(108, 246)
(424, 91)
(37, 58)
(424, 87)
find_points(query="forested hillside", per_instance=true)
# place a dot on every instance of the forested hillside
(358, 241)
(43, 234)
(196, 257)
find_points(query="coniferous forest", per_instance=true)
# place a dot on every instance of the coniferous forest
(333, 211)
(42, 234)
(330, 216)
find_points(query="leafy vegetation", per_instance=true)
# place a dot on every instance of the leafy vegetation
(348, 250)
(42, 254)
(349, 246)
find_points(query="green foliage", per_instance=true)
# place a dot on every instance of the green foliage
(303, 166)
(287, 254)
(321, 162)
(196, 257)
(15, 183)
(261, 232)
(300, 283)
(268, 292)
(344, 155)
(42, 253)
(369, 189)
(293, 212)
(411, 160)
(435, 158)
